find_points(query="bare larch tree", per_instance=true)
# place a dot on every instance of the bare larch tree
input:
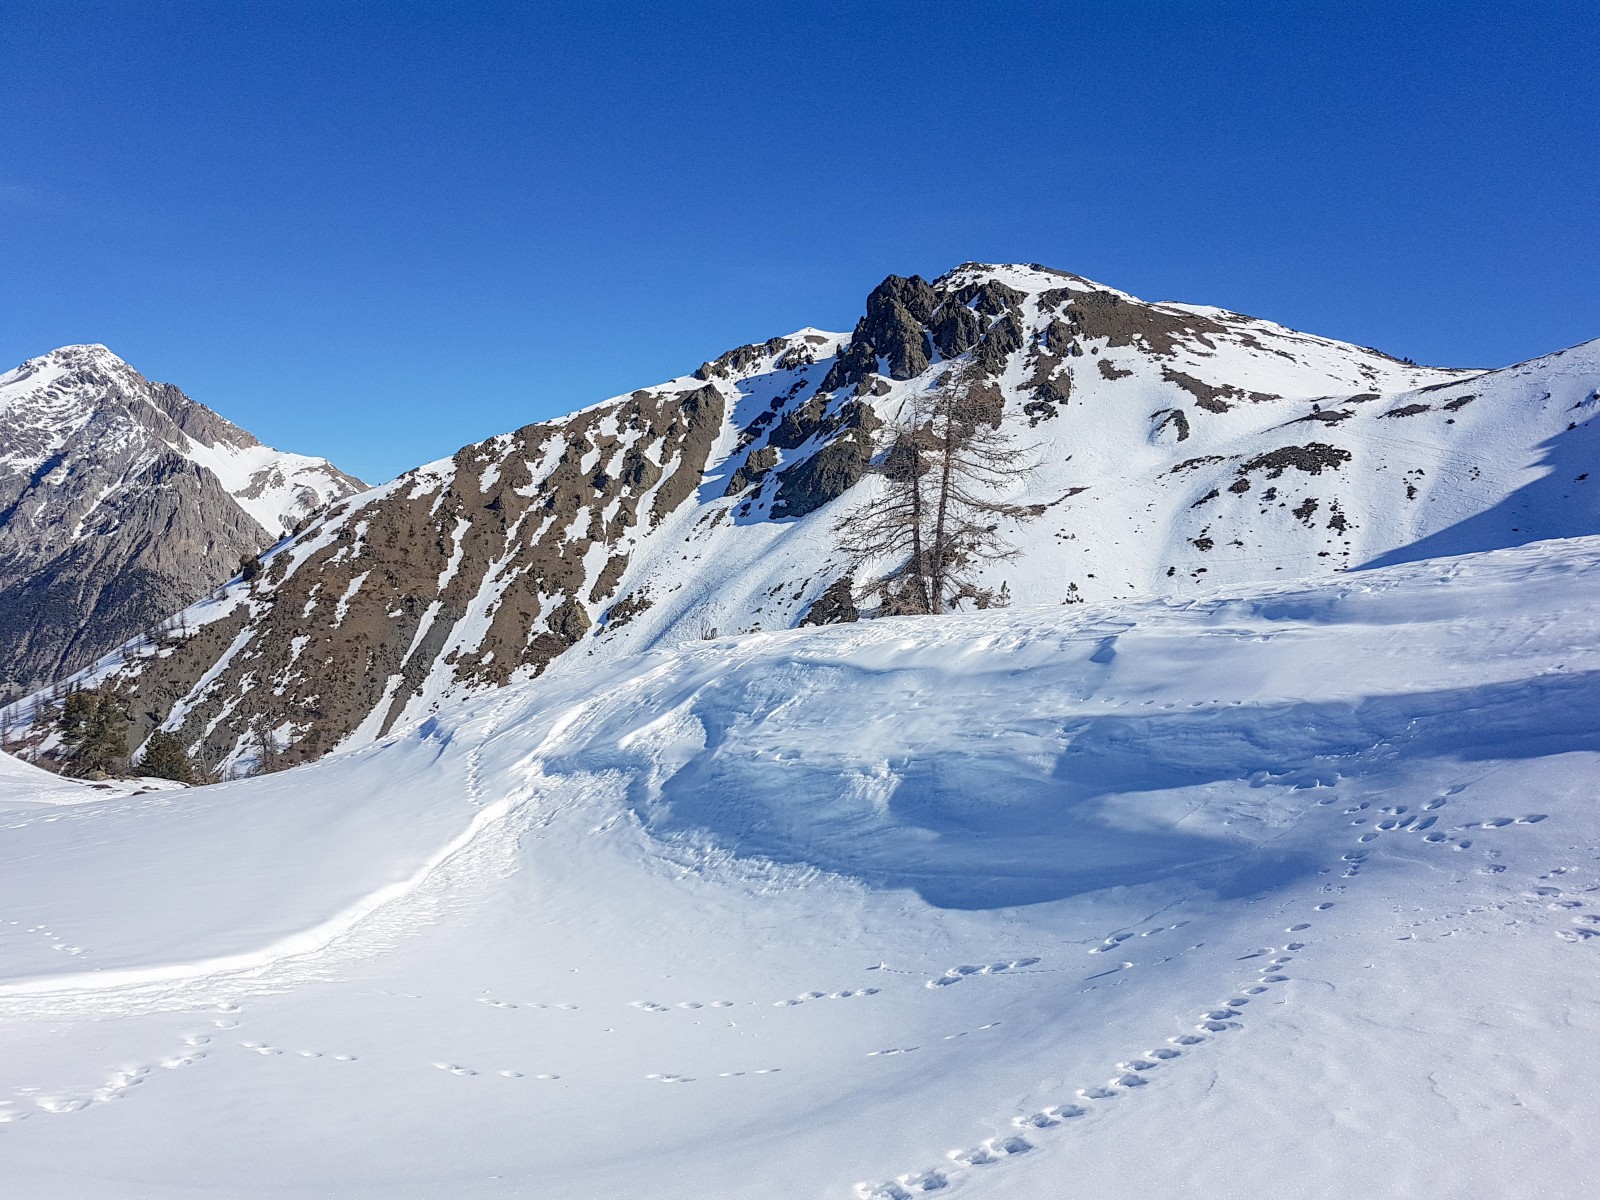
(937, 513)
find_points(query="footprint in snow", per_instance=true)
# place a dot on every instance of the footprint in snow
(991, 1150)
(904, 1188)
(968, 970)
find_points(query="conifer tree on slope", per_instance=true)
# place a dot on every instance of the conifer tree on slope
(937, 513)
(94, 726)
(165, 757)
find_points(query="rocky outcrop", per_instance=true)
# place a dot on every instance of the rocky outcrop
(826, 475)
(836, 605)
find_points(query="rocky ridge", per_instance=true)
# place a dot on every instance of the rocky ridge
(1177, 447)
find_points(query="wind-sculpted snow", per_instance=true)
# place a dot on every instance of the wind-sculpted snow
(1012, 904)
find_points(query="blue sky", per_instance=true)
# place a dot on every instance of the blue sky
(380, 231)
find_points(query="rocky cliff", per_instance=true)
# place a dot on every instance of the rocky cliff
(122, 501)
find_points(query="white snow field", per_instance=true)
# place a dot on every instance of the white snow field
(1289, 891)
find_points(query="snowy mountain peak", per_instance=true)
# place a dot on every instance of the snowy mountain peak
(122, 499)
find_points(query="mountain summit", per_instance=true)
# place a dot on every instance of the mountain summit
(1172, 448)
(121, 501)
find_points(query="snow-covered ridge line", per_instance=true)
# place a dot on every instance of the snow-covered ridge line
(1176, 448)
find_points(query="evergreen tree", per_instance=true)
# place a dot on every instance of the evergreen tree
(94, 730)
(165, 757)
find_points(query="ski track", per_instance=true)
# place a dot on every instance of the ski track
(371, 922)
(1043, 1128)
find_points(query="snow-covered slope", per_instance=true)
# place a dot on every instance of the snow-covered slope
(1176, 448)
(121, 500)
(1286, 889)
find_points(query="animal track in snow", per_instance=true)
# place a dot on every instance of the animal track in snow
(905, 1187)
(462, 1071)
(805, 997)
(991, 1150)
(950, 1037)
(967, 970)
(1131, 1074)
(55, 941)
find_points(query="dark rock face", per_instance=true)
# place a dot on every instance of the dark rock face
(1002, 341)
(752, 471)
(1311, 458)
(1173, 419)
(826, 475)
(836, 606)
(955, 329)
(569, 622)
(892, 330)
(740, 360)
(1213, 398)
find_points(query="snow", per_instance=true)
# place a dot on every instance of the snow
(1286, 888)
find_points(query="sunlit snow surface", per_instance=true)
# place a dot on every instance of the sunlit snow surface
(1291, 892)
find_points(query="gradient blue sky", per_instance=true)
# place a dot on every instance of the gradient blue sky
(379, 231)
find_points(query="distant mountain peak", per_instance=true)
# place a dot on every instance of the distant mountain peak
(122, 499)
